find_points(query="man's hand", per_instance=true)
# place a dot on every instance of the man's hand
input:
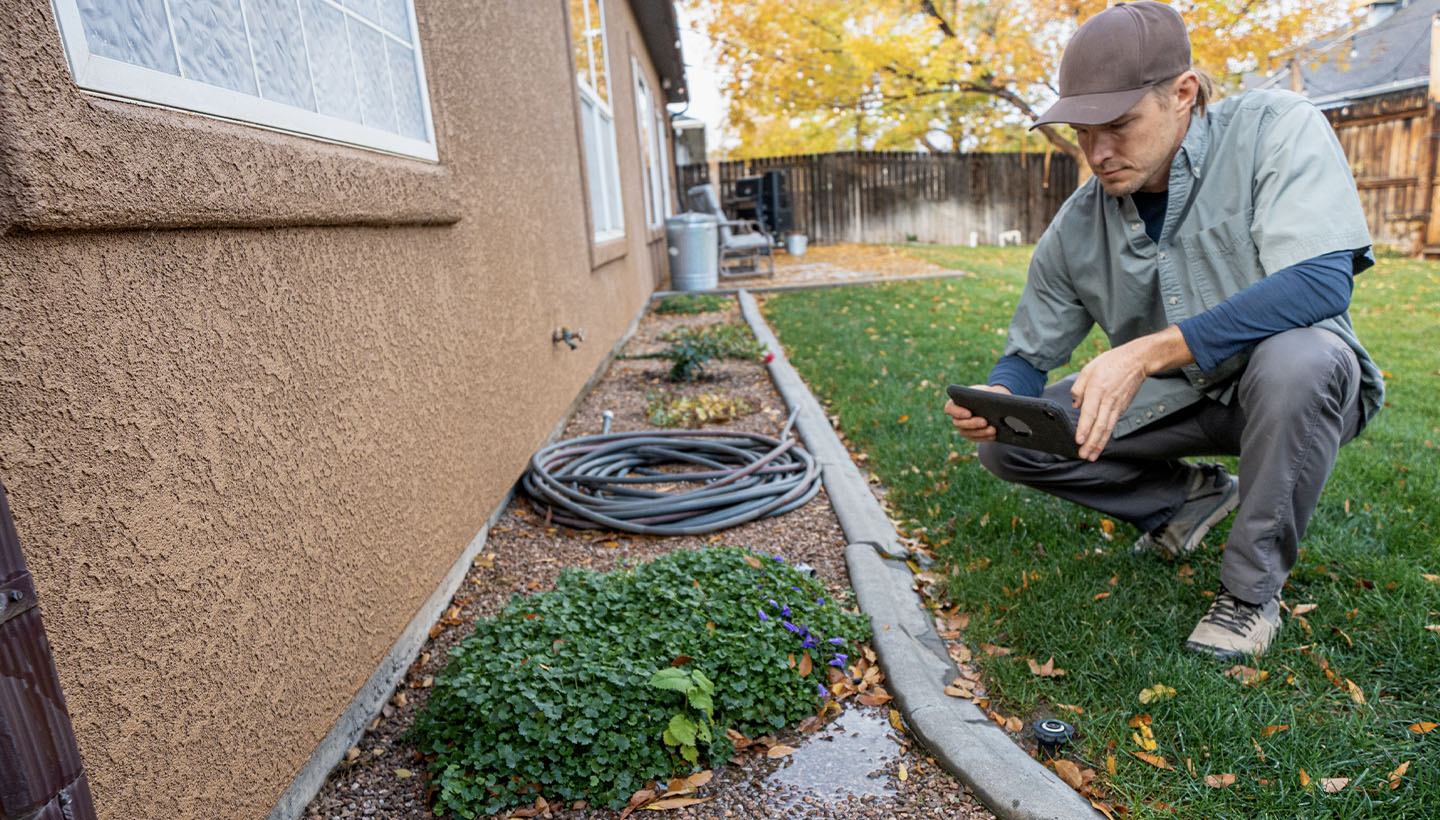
(1107, 385)
(970, 425)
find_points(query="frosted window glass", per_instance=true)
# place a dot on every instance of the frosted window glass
(367, 49)
(132, 31)
(395, 17)
(348, 70)
(279, 45)
(409, 113)
(330, 67)
(214, 48)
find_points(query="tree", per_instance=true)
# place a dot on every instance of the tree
(823, 75)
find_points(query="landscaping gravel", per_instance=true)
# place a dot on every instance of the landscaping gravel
(383, 776)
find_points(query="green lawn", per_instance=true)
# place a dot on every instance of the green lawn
(1033, 570)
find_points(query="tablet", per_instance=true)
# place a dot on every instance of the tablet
(1036, 424)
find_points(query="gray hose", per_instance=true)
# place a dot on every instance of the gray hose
(605, 481)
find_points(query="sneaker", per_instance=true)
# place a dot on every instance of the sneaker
(1214, 493)
(1234, 628)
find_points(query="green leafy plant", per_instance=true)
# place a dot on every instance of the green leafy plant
(665, 410)
(695, 722)
(571, 693)
(691, 303)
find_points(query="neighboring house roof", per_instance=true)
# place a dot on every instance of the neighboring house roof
(1393, 55)
(661, 31)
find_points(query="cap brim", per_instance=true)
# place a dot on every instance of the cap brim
(1091, 109)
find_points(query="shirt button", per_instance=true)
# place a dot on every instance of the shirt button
(1199, 381)
(1174, 300)
(1162, 254)
(1134, 226)
(1149, 413)
(1160, 409)
(1196, 169)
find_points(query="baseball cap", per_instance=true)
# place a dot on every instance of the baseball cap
(1115, 58)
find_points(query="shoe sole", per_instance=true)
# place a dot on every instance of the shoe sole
(1197, 534)
(1215, 652)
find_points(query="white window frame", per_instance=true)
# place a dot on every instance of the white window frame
(652, 146)
(609, 206)
(114, 78)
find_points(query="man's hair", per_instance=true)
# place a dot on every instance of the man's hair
(1208, 90)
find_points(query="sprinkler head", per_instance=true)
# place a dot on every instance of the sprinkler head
(1051, 735)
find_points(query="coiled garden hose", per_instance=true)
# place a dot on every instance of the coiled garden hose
(611, 481)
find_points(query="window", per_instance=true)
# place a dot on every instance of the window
(652, 147)
(597, 116)
(349, 72)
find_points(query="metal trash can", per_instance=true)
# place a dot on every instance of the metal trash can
(694, 241)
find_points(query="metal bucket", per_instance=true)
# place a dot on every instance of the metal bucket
(694, 241)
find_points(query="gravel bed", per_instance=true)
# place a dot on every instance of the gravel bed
(383, 777)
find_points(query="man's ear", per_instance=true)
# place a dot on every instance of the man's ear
(1187, 88)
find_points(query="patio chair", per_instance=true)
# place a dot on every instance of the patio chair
(742, 241)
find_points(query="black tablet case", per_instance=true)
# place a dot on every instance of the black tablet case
(1036, 424)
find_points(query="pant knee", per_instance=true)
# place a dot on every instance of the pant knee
(1288, 369)
(1003, 461)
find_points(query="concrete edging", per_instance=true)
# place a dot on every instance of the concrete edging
(917, 666)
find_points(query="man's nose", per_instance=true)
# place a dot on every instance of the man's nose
(1101, 149)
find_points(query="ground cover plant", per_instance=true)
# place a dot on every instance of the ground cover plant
(691, 347)
(589, 691)
(692, 303)
(1335, 721)
(667, 410)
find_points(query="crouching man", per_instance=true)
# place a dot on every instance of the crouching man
(1216, 247)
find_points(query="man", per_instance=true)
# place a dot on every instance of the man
(1216, 246)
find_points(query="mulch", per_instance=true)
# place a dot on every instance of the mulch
(384, 777)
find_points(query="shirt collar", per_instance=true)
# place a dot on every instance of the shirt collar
(1191, 156)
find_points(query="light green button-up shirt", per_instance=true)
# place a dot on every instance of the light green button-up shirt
(1259, 183)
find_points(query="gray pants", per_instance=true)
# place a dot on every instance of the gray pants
(1297, 402)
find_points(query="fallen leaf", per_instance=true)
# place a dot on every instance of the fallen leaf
(1110, 764)
(403, 773)
(1103, 807)
(1433, 627)
(1259, 752)
(1070, 708)
(1301, 609)
(1144, 738)
(1434, 579)
(484, 561)
(1154, 760)
(1397, 774)
(676, 803)
(876, 698)
(1100, 595)
(752, 561)
(902, 773)
(779, 751)
(959, 692)
(1070, 773)
(1304, 779)
(1219, 781)
(1355, 693)
(1331, 785)
(352, 754)
(1045, 670)
(995, 651)
(1270, 730)
(1107, 526)
(1246, 674)
(896, 721)
(1423, 728)
(960, 653)
(1014, 724)
(1138, 721)
(1157, 692)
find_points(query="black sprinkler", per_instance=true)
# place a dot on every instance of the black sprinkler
(1052, 735)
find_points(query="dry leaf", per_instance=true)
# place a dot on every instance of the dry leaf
(1219, 781)
(1045, 670)
(1270, 730)
(1397, 774)
(877, 698)
(352, 754)
(752, 561)
(1144, 738)
(959, 692)
(902, 773)
(1070, 773)
(779, 751)
(1246, 674)
(1070, 708)
(403, 773)
(806, 665)
(1100, 595)
(1107, 526)
(1423, 728)
(1014, 724)
(995, 651)
(1138, 721)
(1301, 609)
(1110, 764)
(1433, 627)
(1331, 785)
(1157, 692)
(896, 721)
(1259, 752)
(1355, 693)
(1304, 779)
(1434, 579)
(960, 653)
(1103, 807)
(1154, 760)
(676, 803)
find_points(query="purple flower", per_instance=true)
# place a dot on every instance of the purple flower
(772, 602)
(837, 641)
(824, 693)
(763, 616)
(785, 611)
(839, 660)
(778, 558)
(808, 643)
(791, 627)
(797, 589)
(820, 601)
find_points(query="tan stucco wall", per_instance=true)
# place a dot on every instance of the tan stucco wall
(241, 457)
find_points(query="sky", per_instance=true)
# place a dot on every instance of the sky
(702, 78)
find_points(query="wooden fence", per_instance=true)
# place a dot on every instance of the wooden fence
(892, 196)
(1391, 142)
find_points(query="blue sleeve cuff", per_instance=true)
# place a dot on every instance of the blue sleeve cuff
(1018, 376)
(1297, 296)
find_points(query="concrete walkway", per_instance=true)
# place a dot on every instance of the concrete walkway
(916, 664)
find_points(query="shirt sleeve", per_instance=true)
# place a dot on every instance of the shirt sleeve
(1018, 376)
(1049, 319)
(1297, 296)
(1305, 200)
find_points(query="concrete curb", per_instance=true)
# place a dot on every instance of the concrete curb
(916, 663)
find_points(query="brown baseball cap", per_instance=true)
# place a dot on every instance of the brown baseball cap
(1115, 58)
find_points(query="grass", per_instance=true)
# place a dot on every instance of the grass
(1032, 569)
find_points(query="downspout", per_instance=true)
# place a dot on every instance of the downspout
(41, 775)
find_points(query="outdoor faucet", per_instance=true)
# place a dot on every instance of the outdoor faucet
(568, 336)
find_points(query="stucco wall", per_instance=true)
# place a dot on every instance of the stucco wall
(258, 392)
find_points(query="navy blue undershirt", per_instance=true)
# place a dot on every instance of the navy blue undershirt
(1297, 296)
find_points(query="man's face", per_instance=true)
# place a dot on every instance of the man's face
(1133, 152)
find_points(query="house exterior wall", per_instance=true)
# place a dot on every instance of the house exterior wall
(257, 392)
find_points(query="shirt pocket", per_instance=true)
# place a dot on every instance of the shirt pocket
(1220, 260)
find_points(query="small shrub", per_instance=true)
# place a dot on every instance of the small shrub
(691, 347)
(691, 303)
(666, 410)
(612, 680)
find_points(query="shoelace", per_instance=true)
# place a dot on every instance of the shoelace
(1231, 613)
